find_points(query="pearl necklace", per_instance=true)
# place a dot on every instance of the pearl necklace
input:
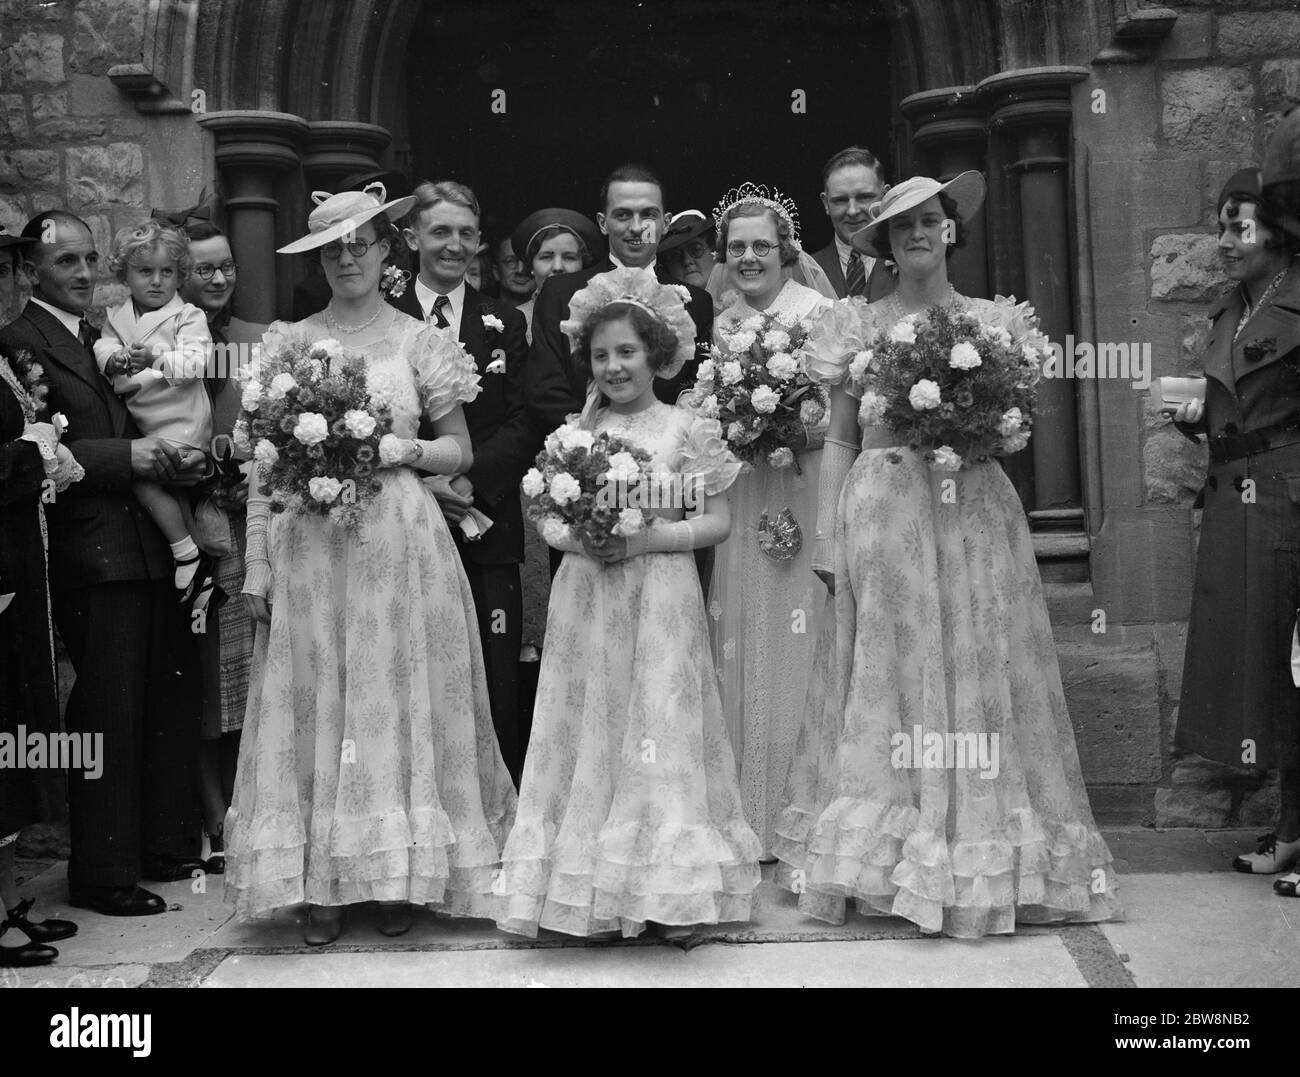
(948, 300)
(1250, 311)
(334, 323)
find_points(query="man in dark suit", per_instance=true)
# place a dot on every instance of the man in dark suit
(633, 220)
(851, 181)
(114, 603)
(443, 229)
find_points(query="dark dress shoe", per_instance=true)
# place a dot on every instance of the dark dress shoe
(46, 930)
(394, 918)
(169, 869)
(116, 900)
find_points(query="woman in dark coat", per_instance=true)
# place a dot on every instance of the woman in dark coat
(1240, 703)
(27, 694)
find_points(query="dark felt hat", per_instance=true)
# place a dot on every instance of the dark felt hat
(7, 240)
(687, 225)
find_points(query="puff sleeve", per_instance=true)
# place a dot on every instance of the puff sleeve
(445, 374)
(704, 456)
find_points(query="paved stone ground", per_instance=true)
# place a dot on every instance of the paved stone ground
(1191, 921)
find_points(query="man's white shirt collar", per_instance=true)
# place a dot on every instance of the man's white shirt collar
(71, 322)
(619, 265)
(455, 298)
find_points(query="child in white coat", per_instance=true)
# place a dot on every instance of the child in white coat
(154, 349)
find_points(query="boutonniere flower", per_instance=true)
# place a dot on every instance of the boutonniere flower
(491, 321)
(497, 366)
(394, 281)
(1259, 349)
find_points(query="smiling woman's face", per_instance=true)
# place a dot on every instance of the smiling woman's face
(918, 239)
(214, 293)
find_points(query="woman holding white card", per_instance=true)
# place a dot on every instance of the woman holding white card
(1240, 703)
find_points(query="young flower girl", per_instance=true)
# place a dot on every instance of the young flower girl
(154, 348)
(629, 809)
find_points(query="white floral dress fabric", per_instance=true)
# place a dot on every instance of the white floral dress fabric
(369, 767)
(629, 810)
(766, 615)
(941, 628)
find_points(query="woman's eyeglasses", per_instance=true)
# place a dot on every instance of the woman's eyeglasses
(207, 271)
(761, 247)
(334, 251)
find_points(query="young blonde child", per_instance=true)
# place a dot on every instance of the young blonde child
(154, 350)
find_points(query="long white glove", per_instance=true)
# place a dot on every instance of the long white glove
(257, 564)
(837, 459)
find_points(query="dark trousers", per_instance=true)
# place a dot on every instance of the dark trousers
(498, 599)
(137, 684)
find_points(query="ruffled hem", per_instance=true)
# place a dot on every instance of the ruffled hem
(390, 856)
(1035, 871)
(628, 875)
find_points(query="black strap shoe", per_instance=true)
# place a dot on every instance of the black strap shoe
(116, 900)
(30, 953)
(46, 930)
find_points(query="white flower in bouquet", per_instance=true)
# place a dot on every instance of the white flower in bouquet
(964, 356)
(280, 385)
(534, 482)
(312, 428)
(708, 407)
(996, 334)
(630, 521)
(732, 373)
(329, 348)
(783, 365)
(360, 424)
(735, 432)
(872, 409)
(861, 361)
(811, 411)
(704, 372)
(392, 450)
(239, 435)
(787, 318)
(553, 530)
(266, 453)
(565, 488)
(622, 468)
(1010, 422)
(776, 340)
(1015, 443)
(383, 389)
(946, 459)
(742, 340)
(572, 436)
(924, 395)
(782, 457)
(315, 369)
(252, 396)
(764, 399)
(324, 489)
(552, 443)
(903, 333)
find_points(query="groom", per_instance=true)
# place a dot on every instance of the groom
(443, 229)
(633, 219)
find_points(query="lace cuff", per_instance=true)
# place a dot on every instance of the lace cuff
(257, 563)
(58, 461)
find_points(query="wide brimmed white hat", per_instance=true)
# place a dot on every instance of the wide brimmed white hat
(966, 190)
(337, 215)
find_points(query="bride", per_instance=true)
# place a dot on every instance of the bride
(766, 605)
(941, 629)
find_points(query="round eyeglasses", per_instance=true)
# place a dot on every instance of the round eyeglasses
(357, 248)
(206, 270)
(761, 247)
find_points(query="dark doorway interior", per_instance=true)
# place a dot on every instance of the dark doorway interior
(701, 92)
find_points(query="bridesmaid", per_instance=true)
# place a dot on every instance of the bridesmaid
(628, 810)
(1239, 702)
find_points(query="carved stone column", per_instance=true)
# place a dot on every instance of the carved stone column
(1031, 111)
(949, 131)
(253, 147)
(340, 148)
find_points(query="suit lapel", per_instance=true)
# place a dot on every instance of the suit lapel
(407, 303)
(1273, 333)
(471, 327)
(1218, 353)
(829, 259)
(65, 350)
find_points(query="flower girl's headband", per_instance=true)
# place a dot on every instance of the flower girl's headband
(641, 288)
(759, 194)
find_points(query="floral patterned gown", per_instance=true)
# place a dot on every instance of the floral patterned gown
(766, 615)
(941, 627)
(369, 768)
(629, 809)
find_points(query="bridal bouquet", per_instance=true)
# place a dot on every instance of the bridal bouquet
(310, 422)
(755, 384)
(583, 479)
(954, 388)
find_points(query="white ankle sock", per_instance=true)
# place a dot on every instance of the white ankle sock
(183, 551)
